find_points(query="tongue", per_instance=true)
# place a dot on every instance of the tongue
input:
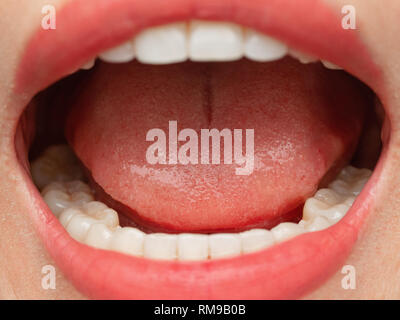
(306, 123)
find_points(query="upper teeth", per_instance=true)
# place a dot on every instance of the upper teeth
(201, 41)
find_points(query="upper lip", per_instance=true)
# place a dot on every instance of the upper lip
(87, 27)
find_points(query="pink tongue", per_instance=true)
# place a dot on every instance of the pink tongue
(306, 122)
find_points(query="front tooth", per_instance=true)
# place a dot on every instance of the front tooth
(79, 225)
(192, 247)
(123, 53)
(330, 65)
(302, 57)
(160, 246)
(100, 211)
(98, 236)
(215, 41)
(286, 231)
(162, 45)
(57, 201)
(224, 245)
(261, 48)
(256, 239)
(128, 240)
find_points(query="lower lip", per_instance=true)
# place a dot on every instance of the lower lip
(286, 271)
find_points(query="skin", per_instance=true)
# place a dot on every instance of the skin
(375, 256)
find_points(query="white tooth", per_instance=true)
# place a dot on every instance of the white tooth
(98, 236)
(94, 206)
(100, 211)
(314, 208)
(330, 65)
(58, 195)
(215, 41)
(77, 186)
(346, 188)
(192, 247)
(224, 245)
(57, 201)
(123, 53)
(256, 239)
(160, 246)
(162, 45)
(80, 198)
(262, 48)
(351, 174)
(89, 65)
(302, 57)
(351, 180)
(79, 225)
(109, 217)
(59, 186)
(340, 187)
(349, 201)
(128, 240)
(96, 224)
(57, 163)
(316, 224)
(358, 185)
(66, 215)
(287, 230)
(328, 196)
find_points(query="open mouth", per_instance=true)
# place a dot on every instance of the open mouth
(121, 226)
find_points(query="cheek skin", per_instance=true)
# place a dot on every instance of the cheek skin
(23, 254)
(375, 255)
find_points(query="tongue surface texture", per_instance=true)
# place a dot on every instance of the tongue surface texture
(306, 123)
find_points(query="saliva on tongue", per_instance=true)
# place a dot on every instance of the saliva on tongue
(306, 122)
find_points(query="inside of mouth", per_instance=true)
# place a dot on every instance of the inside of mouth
(312, 128)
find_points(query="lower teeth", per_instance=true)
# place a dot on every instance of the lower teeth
(91, 222)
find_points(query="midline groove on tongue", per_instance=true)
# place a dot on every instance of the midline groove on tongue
(306, 120)
(208, 98)
(93, 223)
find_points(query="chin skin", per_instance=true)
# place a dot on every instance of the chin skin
(375, 255)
